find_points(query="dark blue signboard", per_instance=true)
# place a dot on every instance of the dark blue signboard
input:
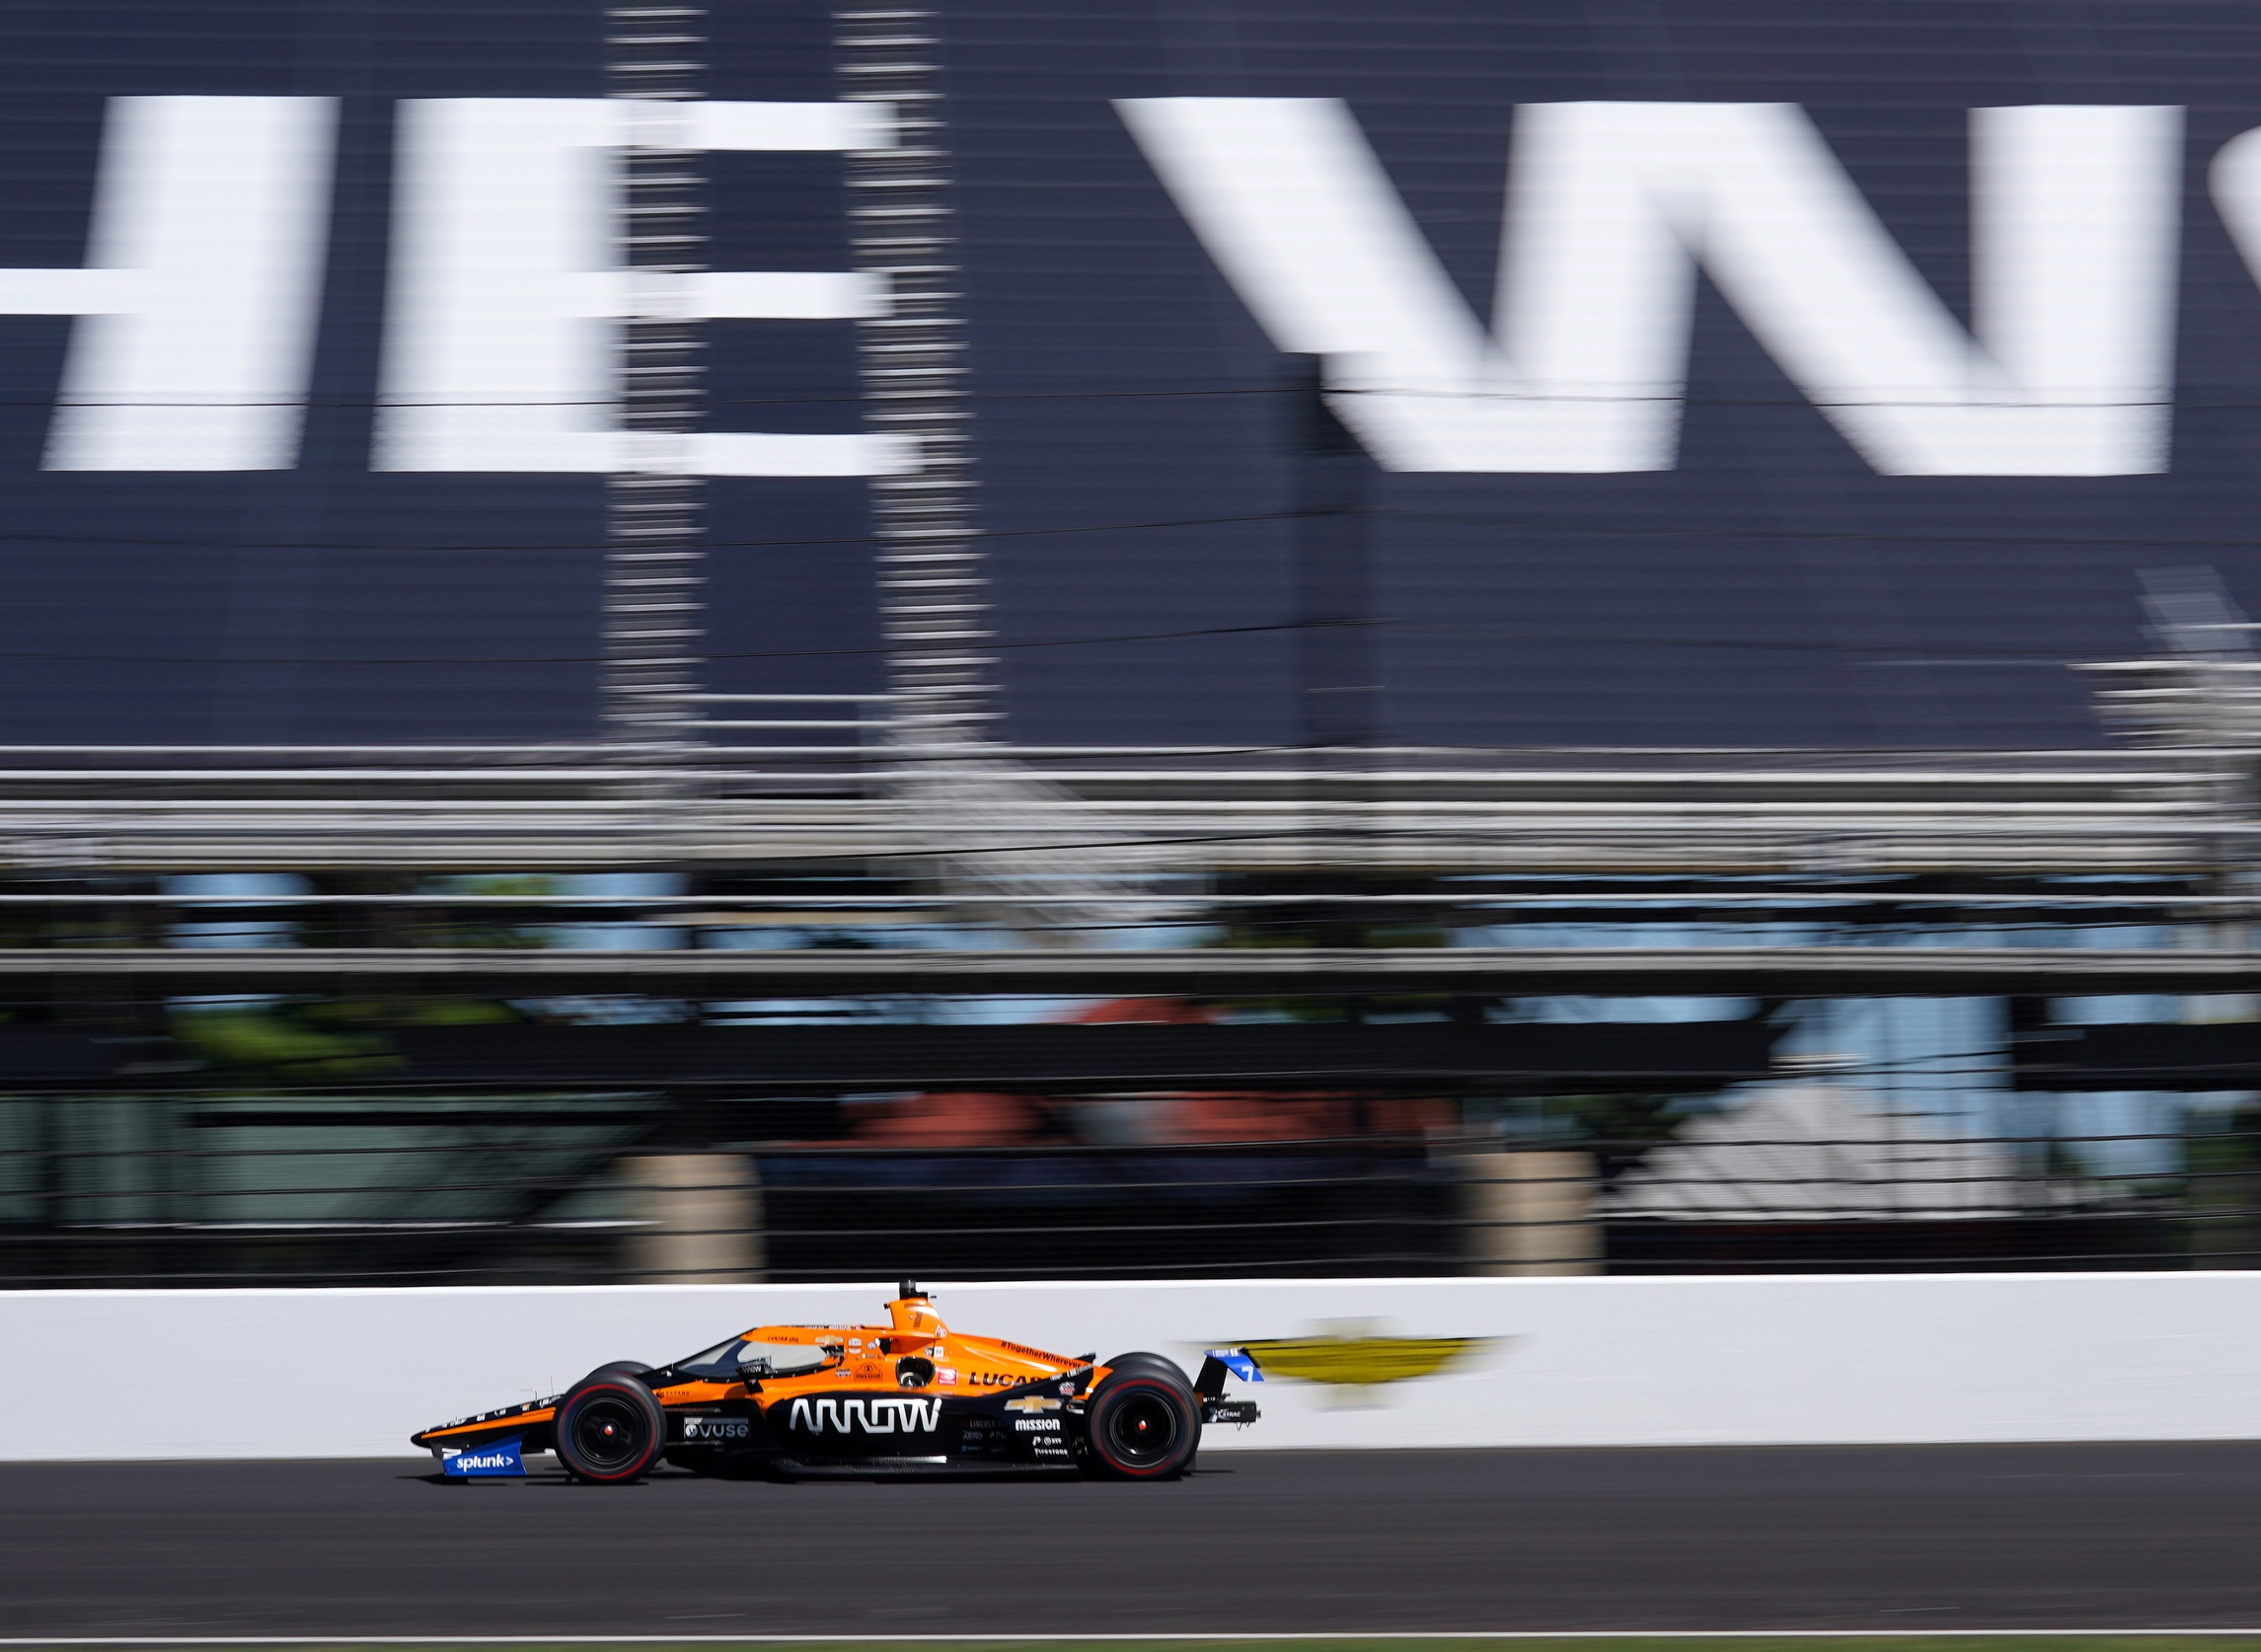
(1770, 588)
(326, 600)
(1721, 373)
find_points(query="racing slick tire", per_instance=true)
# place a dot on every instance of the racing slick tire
(1158, 1363)
(610, 1429)
(1144, 1422)
(619, 1368)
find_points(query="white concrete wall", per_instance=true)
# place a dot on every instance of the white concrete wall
(2122, 1356)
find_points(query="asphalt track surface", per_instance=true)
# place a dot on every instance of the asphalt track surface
(1870, 1538)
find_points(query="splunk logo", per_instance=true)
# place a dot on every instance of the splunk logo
(199, 302)
(502, 1457)
(1613, 207)
(867, 1417)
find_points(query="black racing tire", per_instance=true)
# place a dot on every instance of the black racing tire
(619, 1368)
(610, 1429)
(1143, 1422)
(1160, 1364)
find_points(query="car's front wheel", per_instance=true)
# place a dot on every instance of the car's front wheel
(620, 1368)
(610, 1429)
(1143, 1423)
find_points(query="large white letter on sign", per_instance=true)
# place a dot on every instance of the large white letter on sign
(2235, 177)
(1610, 209)
(202, 288)
(502, 336)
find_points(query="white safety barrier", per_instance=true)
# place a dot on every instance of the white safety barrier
(1356, 1363)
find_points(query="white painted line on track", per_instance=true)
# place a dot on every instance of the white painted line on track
(883, 1637)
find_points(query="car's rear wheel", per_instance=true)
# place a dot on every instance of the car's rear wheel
(1144, 1422)
(1159, 1365)
(610, 1429)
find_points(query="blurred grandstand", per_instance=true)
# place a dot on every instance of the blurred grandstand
(467, 1017)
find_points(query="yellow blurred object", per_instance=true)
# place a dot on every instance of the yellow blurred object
(1361, 1361)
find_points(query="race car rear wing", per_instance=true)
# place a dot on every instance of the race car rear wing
(1216, 1365)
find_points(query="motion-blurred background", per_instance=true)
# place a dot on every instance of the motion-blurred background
(1018, 639)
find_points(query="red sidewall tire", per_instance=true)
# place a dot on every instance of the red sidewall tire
(1119, 1401)
(624, 1402)
(1149, 1364)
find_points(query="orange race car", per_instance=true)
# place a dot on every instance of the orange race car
(909, 1396)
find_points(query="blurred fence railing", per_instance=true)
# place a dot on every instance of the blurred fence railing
(188, 1189)
(498, 1015)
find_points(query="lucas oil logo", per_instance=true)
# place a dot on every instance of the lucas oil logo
(859, 1416)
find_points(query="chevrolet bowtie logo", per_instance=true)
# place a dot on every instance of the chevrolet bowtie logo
(1032, 1403)
(1363, 1361)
